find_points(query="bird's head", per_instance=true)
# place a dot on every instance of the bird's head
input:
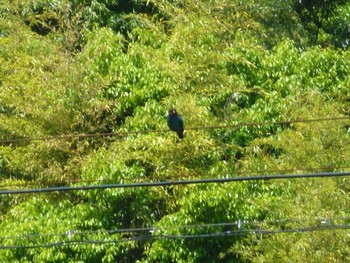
(173, 112)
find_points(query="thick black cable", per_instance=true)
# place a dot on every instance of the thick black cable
(163, 178)
(172, 183)
(123, 134)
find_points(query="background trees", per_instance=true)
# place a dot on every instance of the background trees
(95, 67)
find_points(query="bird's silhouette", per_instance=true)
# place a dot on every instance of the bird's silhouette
(175, 122)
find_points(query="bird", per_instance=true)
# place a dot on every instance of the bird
(175, 122)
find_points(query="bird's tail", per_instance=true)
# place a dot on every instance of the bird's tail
(180, 134)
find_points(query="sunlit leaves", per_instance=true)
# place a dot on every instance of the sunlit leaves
(100, 66)
(202, 205)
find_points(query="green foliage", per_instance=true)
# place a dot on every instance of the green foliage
(318, 17)
(340, 26)
(120, 15)
(43, 17)
(280, 20)
(202, 205)
(101, 66)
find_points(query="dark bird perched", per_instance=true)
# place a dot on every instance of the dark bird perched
(175, 122)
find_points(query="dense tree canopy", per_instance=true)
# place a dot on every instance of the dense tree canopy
(263, 87)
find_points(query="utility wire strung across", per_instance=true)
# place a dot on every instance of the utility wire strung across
(172, 177)
(123, 134)
(216, 230)
(172, 183)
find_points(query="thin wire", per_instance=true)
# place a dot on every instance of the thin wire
(238, 223)
(123, 134)
(171, 183)
(257, 232)
(243, 232)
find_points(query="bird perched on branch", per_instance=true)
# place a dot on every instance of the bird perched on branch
(175, 122)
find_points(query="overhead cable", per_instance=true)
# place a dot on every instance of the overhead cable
(222, 234)
(239, 223)
(123, 134)
(172, 183)
(7, 185)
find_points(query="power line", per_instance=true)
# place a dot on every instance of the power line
(222, 234)
(258, 232)
(172, 183)
(237, 223)
(123, 134)
(241, 228)
(107, 180)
